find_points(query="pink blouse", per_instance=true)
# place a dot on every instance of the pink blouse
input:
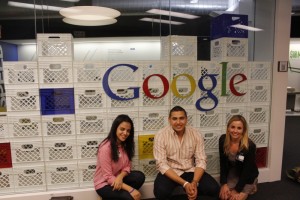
(107, 169)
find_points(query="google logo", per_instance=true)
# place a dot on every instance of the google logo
(233, 82)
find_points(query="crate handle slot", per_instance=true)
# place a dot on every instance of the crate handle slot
(234, 111)
(29, 171)
(92, 143)
(23, 94)
(25, 121)
(217, 43)
(20, 67)
(153, 115)
(236, 42)
(260, 87)
(27, 146)
(55, 66)
(90, 92)
(122, 91)
(54, 37)
(258, 110)
(183, 65)
(91, 118)
(58, 119)
(60, 144)
(208, 135)
(257, 131)
(89, 66)
(92, 167)
(62, 169)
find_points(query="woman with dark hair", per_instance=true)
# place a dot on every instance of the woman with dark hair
(113, 178)
(238, 175)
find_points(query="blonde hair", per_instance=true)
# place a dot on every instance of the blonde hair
(244, 143)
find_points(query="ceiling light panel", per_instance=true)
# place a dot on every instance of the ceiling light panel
(147, 19)
(171, 13)
(33, 6)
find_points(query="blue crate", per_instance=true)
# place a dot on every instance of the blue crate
(57, 101)
(221, 26)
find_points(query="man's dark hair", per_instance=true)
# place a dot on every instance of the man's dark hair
(177, 108)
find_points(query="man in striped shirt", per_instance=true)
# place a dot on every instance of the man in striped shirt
(181, 160)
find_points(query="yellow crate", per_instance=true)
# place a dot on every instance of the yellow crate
(146, 146)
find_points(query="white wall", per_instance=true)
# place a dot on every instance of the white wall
(95, 49)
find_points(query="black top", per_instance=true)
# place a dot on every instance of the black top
(247, 168)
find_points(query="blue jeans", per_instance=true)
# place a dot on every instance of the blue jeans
(135, 179)
(163, 186)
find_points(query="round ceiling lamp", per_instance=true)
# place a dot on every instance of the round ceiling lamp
(89, 22)
(89, 13)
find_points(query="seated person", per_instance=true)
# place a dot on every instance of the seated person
(114, 178)
(239, 172)
(181, 160)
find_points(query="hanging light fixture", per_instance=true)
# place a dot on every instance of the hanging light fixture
(89, 15)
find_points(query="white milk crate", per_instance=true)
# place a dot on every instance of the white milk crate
(179, 47)
(237, 109)
(191, 116)
(156, 99)
(123, 73)
(259, 134)
(259, 114)
(231, 98)
(213, 162)
(20, 74)
(149, 68)
(29, 177)
(148, 167)
(88, 73)
(112, 114)
(55, 46)
(234, 68)
(135, 163)
(89, 98)
(184, 95)
(209, 119)
(86, 173)
(206, 68)
(27, 150)
(87, 147)
(55, 74)
(260, 71)
(6, 181)
(58, 125)
(152, 119)
(91, 123)
(229, 49)
(123, 92)
(62, 175)
(23, 100)
(4, 129)
(180, 68)
(211, 138)
(25, 126)
(60, 148)
(259, 92)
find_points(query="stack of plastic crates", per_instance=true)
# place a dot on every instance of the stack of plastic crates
(90, 117)
(56, 89)
(259, 87)
(229, 43)
(24, 126)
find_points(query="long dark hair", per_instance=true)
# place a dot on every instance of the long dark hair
(128, 144)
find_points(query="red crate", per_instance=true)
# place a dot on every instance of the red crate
(5, 155)
(261, 157)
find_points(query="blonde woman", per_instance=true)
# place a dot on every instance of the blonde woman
(238, 176)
